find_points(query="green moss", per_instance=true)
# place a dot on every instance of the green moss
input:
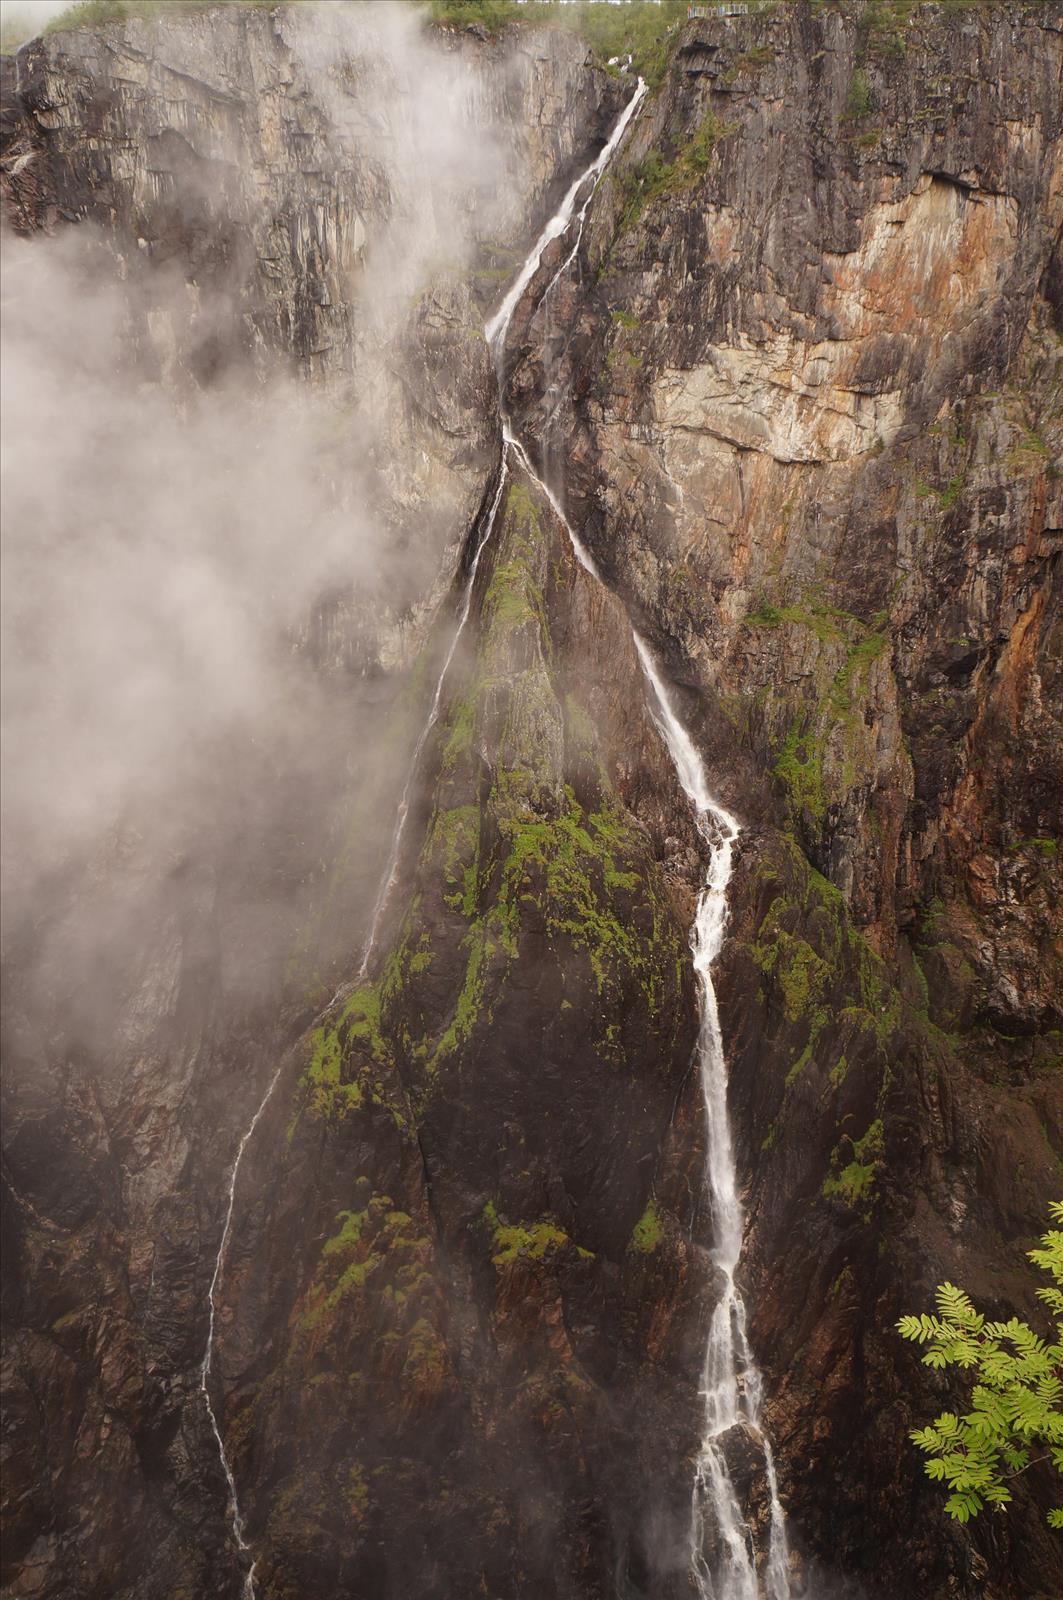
(513, 595)
(351, 1062)
(838, 1072)
(858, 102)
(368, 1241)
(645, 184)
(648, 1231)
(349, 1235)
(530, 1242)
(946, 497)
(460, 724)
(452, 848)
(854, 1182)
(763, 616)
(799, 764)
(800, 761)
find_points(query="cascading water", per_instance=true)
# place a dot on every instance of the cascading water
(731, 1386)
(723, 1557)
(495, 331)
(388, 880)
(204, 1375)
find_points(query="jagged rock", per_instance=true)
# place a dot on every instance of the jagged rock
(809, 424)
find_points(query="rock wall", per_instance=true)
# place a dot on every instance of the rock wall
(801, 396)
(456, 1232)
(814, 438)
(234, 171)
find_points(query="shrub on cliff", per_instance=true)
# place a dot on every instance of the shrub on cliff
(1016, 1398)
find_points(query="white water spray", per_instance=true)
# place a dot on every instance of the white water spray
(499, 324)
(495, 331)
(731, 1385)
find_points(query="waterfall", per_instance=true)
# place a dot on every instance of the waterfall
(731, 1386)
(495, 331)
(204, 1372)
(388, 879)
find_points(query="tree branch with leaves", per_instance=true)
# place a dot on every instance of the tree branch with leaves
(1015, 1420)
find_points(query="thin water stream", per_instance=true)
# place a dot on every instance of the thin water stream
(723, 1559)
(495, 331)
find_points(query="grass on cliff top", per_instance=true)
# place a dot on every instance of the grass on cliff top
(19, 24)
(642, 29)
(645, 30)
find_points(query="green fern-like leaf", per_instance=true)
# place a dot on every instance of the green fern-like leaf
(1015, 1397)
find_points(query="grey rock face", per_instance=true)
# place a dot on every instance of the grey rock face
(806, 411)
(288, 210)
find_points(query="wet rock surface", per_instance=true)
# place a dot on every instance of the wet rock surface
(470, 1242)
(801, 396)
(229, 171)
(805, 406)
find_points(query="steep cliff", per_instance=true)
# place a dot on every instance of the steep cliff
(247, 178)
(806, 408)
(800, 393)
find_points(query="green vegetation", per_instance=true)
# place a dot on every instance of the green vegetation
(647, 1232)
(641, 29)
(829, 979)
(646, 32)
(858, 103)
(1016, 1400)
(853, 1182)
(819, 755)
(350, 1063)
(489, 14)
(759, 55)
(523, 848)
(946, 497)
(644, 184)
(378, 1239)
(94, 13)
(531, 1242)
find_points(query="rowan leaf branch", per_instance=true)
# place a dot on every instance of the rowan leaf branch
(1016, 1401)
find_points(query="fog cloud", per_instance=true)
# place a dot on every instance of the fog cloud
(171, 530)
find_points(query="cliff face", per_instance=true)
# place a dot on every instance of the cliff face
(247, 180)
(814, 438)
(801, 395)
(458, 1231)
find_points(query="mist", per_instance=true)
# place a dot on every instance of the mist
(218, 549)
